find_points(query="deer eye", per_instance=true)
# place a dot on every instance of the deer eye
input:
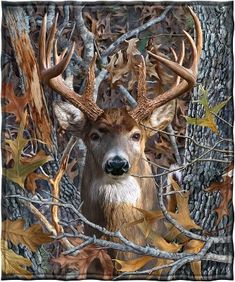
(94, 136)
(136, 136)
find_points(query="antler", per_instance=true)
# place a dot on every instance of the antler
(146, 106)
(51, 75)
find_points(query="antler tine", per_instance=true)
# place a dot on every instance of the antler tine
(50, 40)
(188, 75)
(52, 74)
(141, 93)
(42, 44)
(179, 59)
(88, 94)
(199, 39)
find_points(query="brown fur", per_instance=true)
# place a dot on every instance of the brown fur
(109, 215)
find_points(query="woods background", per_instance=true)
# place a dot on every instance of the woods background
(98, 28)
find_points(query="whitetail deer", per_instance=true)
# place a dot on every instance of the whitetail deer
(115, 138)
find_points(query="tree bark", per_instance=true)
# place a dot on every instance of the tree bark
(215, 75)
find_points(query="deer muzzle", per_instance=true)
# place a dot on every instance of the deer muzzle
(117, 166)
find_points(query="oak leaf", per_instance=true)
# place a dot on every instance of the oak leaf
(132, 264)
(182, 214)
(14, 264)
(209, 118)
(30, 183)
(23, 166)
(32, 237)
(226, 190)
(148, 220)
(83, 260)
(16, 104)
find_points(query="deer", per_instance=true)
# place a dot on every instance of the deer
(115, 138)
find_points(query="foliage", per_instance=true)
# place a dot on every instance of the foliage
(14, 264)
(209, 119)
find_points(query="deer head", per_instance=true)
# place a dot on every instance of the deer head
(115, 138)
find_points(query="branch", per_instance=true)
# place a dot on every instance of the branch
(134, 32)
(191, 139)
(87, 36)
(215, 240)
(173, 143)
(200, 158)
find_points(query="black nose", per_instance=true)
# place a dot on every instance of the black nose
(117, 166)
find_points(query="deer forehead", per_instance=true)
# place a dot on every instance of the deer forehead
(116, 120)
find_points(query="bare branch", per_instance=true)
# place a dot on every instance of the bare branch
(87, 36)
(134, 32)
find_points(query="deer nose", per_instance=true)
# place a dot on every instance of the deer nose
(117, 166)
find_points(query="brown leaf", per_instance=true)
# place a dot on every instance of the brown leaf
(14, 264)
(30, 183)
(84, 259)
(182, 215)
(33, 237)
(226, 190)
(16, 104)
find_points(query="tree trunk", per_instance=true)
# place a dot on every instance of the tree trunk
(216, 76)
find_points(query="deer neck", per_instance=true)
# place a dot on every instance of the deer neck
(117, 198)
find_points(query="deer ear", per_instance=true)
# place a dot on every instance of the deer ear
(160, 118)
(69, 117)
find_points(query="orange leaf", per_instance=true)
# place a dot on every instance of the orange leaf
(30, 183)
(16, 104)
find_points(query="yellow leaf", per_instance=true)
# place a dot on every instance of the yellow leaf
(33, 237)
(132, 265)
(162, 244)
(209, 119)
(14, 264)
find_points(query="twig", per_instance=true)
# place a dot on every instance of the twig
(46, 223)
(183, 261)
(184, 166)
(174, 144)
(75, 250)
(191, 139)
(229, 124)
(134, 32)
(188, 233)
(128, 96)
(117, 234)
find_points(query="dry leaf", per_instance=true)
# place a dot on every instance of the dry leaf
(14, 264)
(226, 190)
(133, 264)
(182, 215)
(84, 259)
(30, 183)
(209, 119)
(194, 247)
(23, 166)
(32, 237)
(16, 104)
